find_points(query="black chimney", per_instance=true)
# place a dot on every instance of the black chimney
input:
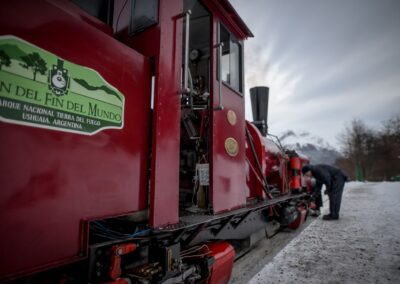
(259, 104)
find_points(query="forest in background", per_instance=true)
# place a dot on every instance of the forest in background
(371, 154)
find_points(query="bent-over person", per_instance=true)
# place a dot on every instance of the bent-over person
(334, 180)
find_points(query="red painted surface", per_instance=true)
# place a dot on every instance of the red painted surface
(273, 162)
(273, 158)
(164, 190)
(116, 252)
(163, 42)
(253, 176)
(221, 269)
(51, 181)
(295, 163)
(301, 219)
(227, 173)
(295, 183)
(295, 174)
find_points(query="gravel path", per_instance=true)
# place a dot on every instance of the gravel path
(362, 247)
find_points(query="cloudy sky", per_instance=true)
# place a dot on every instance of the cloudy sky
(326, 62)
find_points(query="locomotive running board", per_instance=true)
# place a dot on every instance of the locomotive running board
(197, 219)
(232, 225)
(235, 224)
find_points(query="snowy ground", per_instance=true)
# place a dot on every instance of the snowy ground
(362, 247)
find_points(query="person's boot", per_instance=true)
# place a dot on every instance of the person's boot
(329, 217)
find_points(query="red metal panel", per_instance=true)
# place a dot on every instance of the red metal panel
(52, 180)
(164, 180)
(164, 190)
(228, 173)
(221, 270)
(253, 182)
(301, 219)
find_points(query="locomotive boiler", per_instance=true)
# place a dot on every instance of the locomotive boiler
(125, 155)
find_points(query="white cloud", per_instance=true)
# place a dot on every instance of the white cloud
(325, 62)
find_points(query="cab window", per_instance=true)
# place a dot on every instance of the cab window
(231, 61)
(144, 15)
(100, 9)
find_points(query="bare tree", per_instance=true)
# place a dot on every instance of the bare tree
(389, 147)
(371, 154)
(356, 143)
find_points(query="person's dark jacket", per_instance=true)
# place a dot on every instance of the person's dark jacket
(326, 174)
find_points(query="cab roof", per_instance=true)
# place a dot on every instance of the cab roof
(230, 17)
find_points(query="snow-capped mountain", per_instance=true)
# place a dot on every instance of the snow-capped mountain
(314, 147)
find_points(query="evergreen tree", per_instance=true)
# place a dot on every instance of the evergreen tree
(4, 59)
(35, 62)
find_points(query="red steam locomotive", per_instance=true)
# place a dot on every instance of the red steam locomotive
(125, 156)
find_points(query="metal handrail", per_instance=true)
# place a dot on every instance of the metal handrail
(186, 56)
(219, 46)
(220, 106)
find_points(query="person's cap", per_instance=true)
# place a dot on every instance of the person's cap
(305, 169)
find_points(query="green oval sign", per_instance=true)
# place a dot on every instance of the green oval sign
(40, 89)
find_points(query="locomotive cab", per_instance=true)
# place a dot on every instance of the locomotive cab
(198, 147)
(212, 110)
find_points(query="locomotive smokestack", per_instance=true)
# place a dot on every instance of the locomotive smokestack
(259, 104)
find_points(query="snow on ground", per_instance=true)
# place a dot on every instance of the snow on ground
(363, 246)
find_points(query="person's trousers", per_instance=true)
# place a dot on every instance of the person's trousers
(317, 196)
(335, 196)
(318, 201)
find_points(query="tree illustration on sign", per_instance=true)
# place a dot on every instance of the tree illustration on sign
(4, 59)
(35, 62)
